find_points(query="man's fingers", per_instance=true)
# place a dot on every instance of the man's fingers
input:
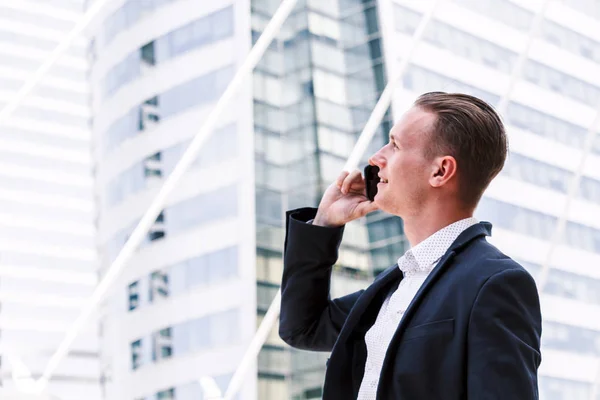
(341, 178)
(353, 177)
(365, 208)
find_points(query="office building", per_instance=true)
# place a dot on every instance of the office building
(48, 257)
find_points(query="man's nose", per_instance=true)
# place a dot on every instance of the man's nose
(377, 159)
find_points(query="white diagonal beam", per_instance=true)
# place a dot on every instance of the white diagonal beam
(571, 194)
(359, 148)
(517, 70)
(242, 76)
(386, 96)
(58, 51)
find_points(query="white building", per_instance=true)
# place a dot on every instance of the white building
(186, 305)
(48, 256)
(184, 308)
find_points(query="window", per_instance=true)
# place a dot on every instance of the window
(265, 292)
(197, 34)
(184, 215)
(136, 354)
(503, 10)
(546, 125)
(537, 173)
(554, 80)
(147, 55)
(537, 224)
(159, 285)
(157, 230)
(201, 209)
(162, 344)
(168, 394)
(128, 15)
(134, 295)
(149, 114)
(420, 80)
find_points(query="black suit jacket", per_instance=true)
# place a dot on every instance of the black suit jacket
(472, 331)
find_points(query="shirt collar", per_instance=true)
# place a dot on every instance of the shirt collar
(425, 255)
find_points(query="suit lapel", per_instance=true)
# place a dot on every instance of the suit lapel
(470, 234)
(357, 321)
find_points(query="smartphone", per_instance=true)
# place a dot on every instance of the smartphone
(371, 180)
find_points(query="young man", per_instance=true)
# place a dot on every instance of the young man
(454, 318)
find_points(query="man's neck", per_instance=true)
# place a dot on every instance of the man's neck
(420, 227)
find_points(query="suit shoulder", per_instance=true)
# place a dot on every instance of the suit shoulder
(488, 260)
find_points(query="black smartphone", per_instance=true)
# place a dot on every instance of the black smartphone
(371, 180)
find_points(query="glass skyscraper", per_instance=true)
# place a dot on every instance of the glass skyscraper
(188, 303)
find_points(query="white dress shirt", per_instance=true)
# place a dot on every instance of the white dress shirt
(415, 264)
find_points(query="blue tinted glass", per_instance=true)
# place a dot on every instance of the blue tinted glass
(181, 339)
(191, 36)
(188, 94)
(122, 129)
(222, 23)
(222, 265)
(178, 99)
(199, 334)
(197, 271)
(201, 209)
(224, 328)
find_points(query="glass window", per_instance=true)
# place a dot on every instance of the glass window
(222, 23)
(545, 125)
(148, 55)
(202, 209)
(590, 8)
(162, 344)
(198, 91)
(168, 394)
(536, 224)
(422, 80)
(505, 11)
(122, 73)
(224, 328)
(269, 206)
(554, 80)
(189, 37)
(136, 354)
(537, 173)
(265, 293)
(134, 295)
(159, 286)
(128, 15)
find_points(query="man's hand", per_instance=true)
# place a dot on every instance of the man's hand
(344, 200)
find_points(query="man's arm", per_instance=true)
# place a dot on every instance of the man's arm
(309, 318)
(504, 338)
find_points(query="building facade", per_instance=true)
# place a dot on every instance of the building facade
(186, 307)
(183, 310)
(48, 257)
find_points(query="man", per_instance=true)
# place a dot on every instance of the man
(454, 318)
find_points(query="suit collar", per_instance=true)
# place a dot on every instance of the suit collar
(425, 255)
(466, 237)
(483, 228)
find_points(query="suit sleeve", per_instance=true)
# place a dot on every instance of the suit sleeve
(309, 319)
(504, 338)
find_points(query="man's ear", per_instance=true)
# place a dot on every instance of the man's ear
(444, 169)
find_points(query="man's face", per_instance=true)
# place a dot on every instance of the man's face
(402, 163)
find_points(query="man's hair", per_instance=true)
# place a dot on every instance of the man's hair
(471, 131)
